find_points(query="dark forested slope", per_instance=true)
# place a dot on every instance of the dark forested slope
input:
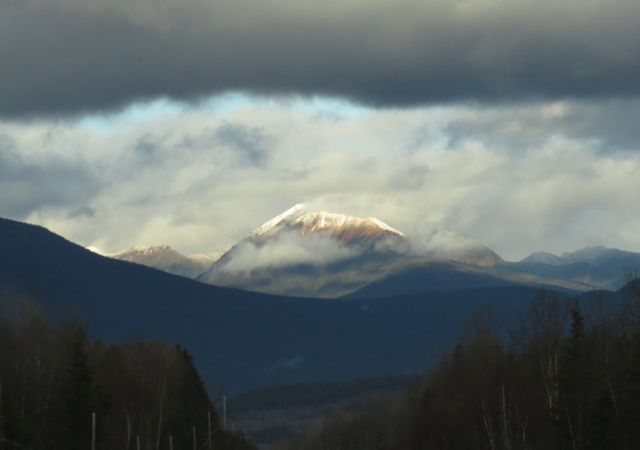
(54, 381)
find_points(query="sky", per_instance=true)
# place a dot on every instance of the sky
(514, 122)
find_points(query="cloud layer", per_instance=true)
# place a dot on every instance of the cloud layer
(543, 176)
(288, 248)
(63, 57)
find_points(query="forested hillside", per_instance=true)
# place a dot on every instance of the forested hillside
(568, 379)
(145, 395)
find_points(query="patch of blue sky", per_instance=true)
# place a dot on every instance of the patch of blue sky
(330, 106)
(136, 112)
(312, 105)
(222, 105)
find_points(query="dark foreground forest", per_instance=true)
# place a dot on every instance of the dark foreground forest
(145, 395)
(568, 378)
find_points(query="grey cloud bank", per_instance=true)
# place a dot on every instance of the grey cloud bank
(28, 184)
(67, 57)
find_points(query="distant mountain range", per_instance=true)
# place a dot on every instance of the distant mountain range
(601, 267)
(243, 340)
(322, 254)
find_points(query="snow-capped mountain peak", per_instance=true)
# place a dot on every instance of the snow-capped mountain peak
(306, 222)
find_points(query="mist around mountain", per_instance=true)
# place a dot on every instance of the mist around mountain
(322, 254)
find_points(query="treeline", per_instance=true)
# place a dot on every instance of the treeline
(316, 394)
(569, 379)
(56, 383)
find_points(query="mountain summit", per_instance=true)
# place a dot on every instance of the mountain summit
(325, 254)
(309, 253)
(344, 228)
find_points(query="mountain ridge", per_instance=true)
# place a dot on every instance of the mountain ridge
(165, 258)
(331, 255)
(596, 266)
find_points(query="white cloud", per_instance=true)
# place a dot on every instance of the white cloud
(518, 177)
(285, 249)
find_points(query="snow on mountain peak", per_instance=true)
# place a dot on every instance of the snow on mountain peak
(384, 226)
(272, 223)
(144, 250)
(312, 221)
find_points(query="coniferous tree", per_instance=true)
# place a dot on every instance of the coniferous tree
(80, 401)
(632, 398)
(53, 378)
(573, 382)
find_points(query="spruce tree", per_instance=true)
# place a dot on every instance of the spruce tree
(573, 381)
(80, 402)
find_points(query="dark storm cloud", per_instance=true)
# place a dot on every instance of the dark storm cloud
(29, 185)
(71, 56)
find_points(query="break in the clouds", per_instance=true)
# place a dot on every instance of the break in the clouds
(62, 57)
(551, 176)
